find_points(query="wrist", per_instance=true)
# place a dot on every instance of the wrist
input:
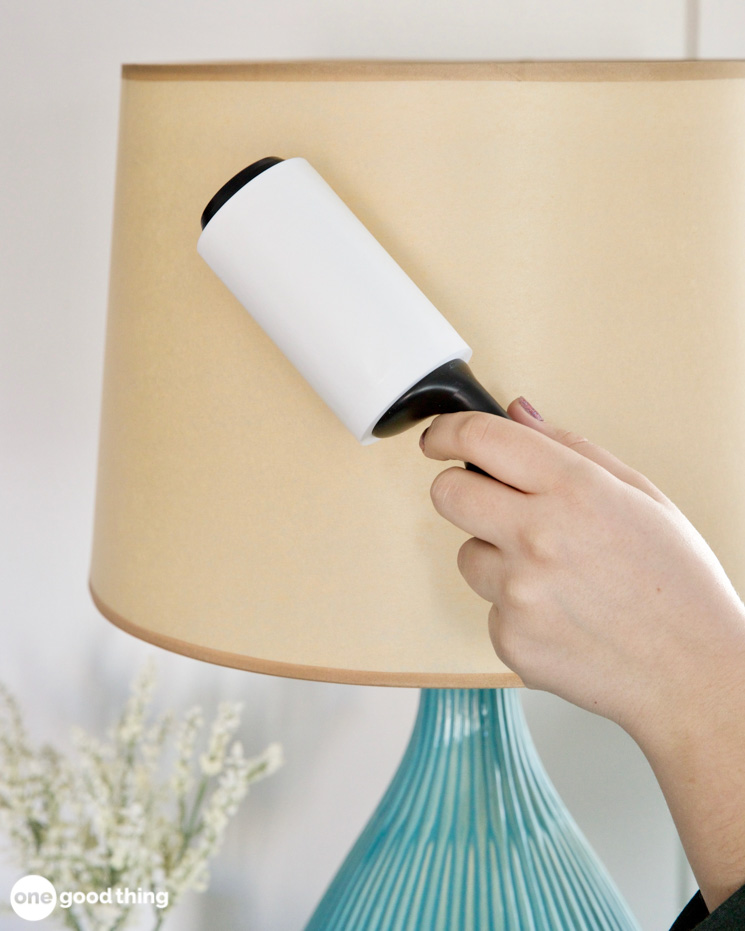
(694, 700)
(693, 736)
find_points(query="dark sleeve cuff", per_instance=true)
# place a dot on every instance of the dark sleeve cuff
(729, 916)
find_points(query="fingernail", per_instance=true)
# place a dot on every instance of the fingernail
(421, 440)
(527, 406)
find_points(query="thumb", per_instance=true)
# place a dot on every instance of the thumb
(523, 412)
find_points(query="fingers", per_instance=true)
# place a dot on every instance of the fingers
(477, 504)
(523, 459)
(531, 460)
(523, 412)
(481, 565)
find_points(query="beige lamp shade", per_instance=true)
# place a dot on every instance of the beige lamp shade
(581, 225)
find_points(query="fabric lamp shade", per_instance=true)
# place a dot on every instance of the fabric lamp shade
(580, 225)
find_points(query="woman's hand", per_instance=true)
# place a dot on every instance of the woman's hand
(602, 592)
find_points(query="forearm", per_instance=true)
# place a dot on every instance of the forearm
(697, 752)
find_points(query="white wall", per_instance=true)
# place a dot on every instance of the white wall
(59, 78)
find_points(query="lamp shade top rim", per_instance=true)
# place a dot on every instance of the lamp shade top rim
(402, 69)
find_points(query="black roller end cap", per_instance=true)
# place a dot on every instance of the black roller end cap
(235, 184)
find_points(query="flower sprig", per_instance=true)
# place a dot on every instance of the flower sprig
(129, 810)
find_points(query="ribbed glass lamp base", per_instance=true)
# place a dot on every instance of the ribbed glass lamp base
(471, 836)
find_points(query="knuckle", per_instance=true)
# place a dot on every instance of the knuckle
(443, 488)
(495, 629)
(473, 430)
(519, 593)
(465, 557)
(574, 478)
(573, 440)
(504, 639)
(541, 545)
(476, 566)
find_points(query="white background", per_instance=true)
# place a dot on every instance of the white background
(59, 84)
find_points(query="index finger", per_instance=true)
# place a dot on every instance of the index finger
(508, 451)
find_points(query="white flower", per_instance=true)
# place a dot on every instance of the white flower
(182, 779)
(132, 721)
(225, 724)
(110, 817)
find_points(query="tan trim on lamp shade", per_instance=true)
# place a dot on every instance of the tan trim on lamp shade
(297, 671)
(582, 225)
(372, 70)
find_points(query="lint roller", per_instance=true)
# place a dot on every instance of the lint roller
(335, 302)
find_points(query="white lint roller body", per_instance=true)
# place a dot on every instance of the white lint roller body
(333, 300)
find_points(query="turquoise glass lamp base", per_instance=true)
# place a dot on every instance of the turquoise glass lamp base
(471, 836)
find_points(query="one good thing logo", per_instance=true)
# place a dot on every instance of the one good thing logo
(34, 897)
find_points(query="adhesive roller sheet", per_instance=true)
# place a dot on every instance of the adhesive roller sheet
(327, 293)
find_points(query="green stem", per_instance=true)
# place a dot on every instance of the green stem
(72, 921)
(191, 826)
(120, 920)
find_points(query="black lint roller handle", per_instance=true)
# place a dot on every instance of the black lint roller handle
(451, 387)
